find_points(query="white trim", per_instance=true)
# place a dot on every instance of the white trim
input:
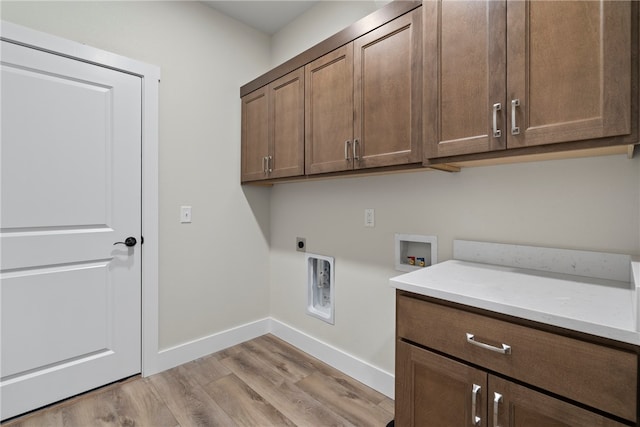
(374, 377)
(370, 375)
(186, 352)
(150, 75)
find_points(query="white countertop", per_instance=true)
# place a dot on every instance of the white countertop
(605, 308)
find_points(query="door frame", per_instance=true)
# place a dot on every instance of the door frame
(150, 75)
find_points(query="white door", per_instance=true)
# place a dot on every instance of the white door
(70, 159)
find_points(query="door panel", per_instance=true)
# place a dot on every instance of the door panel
(286, 117)
(464, 69)
(569, 67)
(35, 294)
(464, 76)
(75, 194)
(255, 135)
(519, 406)
(70, 188)
(437, 391)
(388, 93)
(329, 112)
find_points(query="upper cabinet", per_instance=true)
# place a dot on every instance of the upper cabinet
(449, 83)
(273, 129)
(363, 101)
(518, 74)
(388, 94)
(255, 135)
(464, 75)
(329, 112)
(568, 71)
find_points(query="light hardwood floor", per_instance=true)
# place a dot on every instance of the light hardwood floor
(262, 382)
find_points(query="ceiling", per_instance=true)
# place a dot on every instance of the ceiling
(266, 16)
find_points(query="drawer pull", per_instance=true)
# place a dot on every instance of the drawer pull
(497, 399)
(515, 130)
(475, 419)
(506, 349)
(497, 133)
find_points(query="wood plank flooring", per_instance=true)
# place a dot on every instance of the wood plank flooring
(262, 382)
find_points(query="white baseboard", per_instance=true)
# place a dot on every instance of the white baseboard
(358, 369)
(374, 377)
(192, 350)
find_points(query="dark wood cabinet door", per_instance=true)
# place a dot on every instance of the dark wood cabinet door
(255, 135)
(388, 94)
(329, 112)
(518, 406)
(569, 68)
(432, 390)
(464, 76)
(286, 125)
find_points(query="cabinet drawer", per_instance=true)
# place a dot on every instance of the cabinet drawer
(601, 377)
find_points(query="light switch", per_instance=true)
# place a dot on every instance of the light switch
(185, 214)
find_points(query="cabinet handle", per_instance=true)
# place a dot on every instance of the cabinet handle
(506, 349)
(346, 150)
(497, 133)
(264, 165)
(475, 419)
(515, 130)
(497, 399)
(356, 145)
(270, 164)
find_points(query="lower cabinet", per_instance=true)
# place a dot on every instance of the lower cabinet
(433, 390)
(459, 366)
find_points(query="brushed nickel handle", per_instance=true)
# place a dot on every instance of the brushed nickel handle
(356, 144)
(264, 165)
(346, 150)
(515, 130)
(270, 164)
(475, 419)
(497, 133)
(506, 349)
(497, 399)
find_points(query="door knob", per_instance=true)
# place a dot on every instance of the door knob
(129, 241)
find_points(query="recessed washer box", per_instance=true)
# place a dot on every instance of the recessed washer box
(416, 246)
(320, 283)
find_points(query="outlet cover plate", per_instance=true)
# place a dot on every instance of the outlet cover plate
(301, 244)
(369, 218)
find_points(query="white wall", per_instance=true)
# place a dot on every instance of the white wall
(213, 272)
(321, 21)
(588, 204)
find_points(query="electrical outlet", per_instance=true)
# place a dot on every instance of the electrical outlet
(369, 218)
(185, 214)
